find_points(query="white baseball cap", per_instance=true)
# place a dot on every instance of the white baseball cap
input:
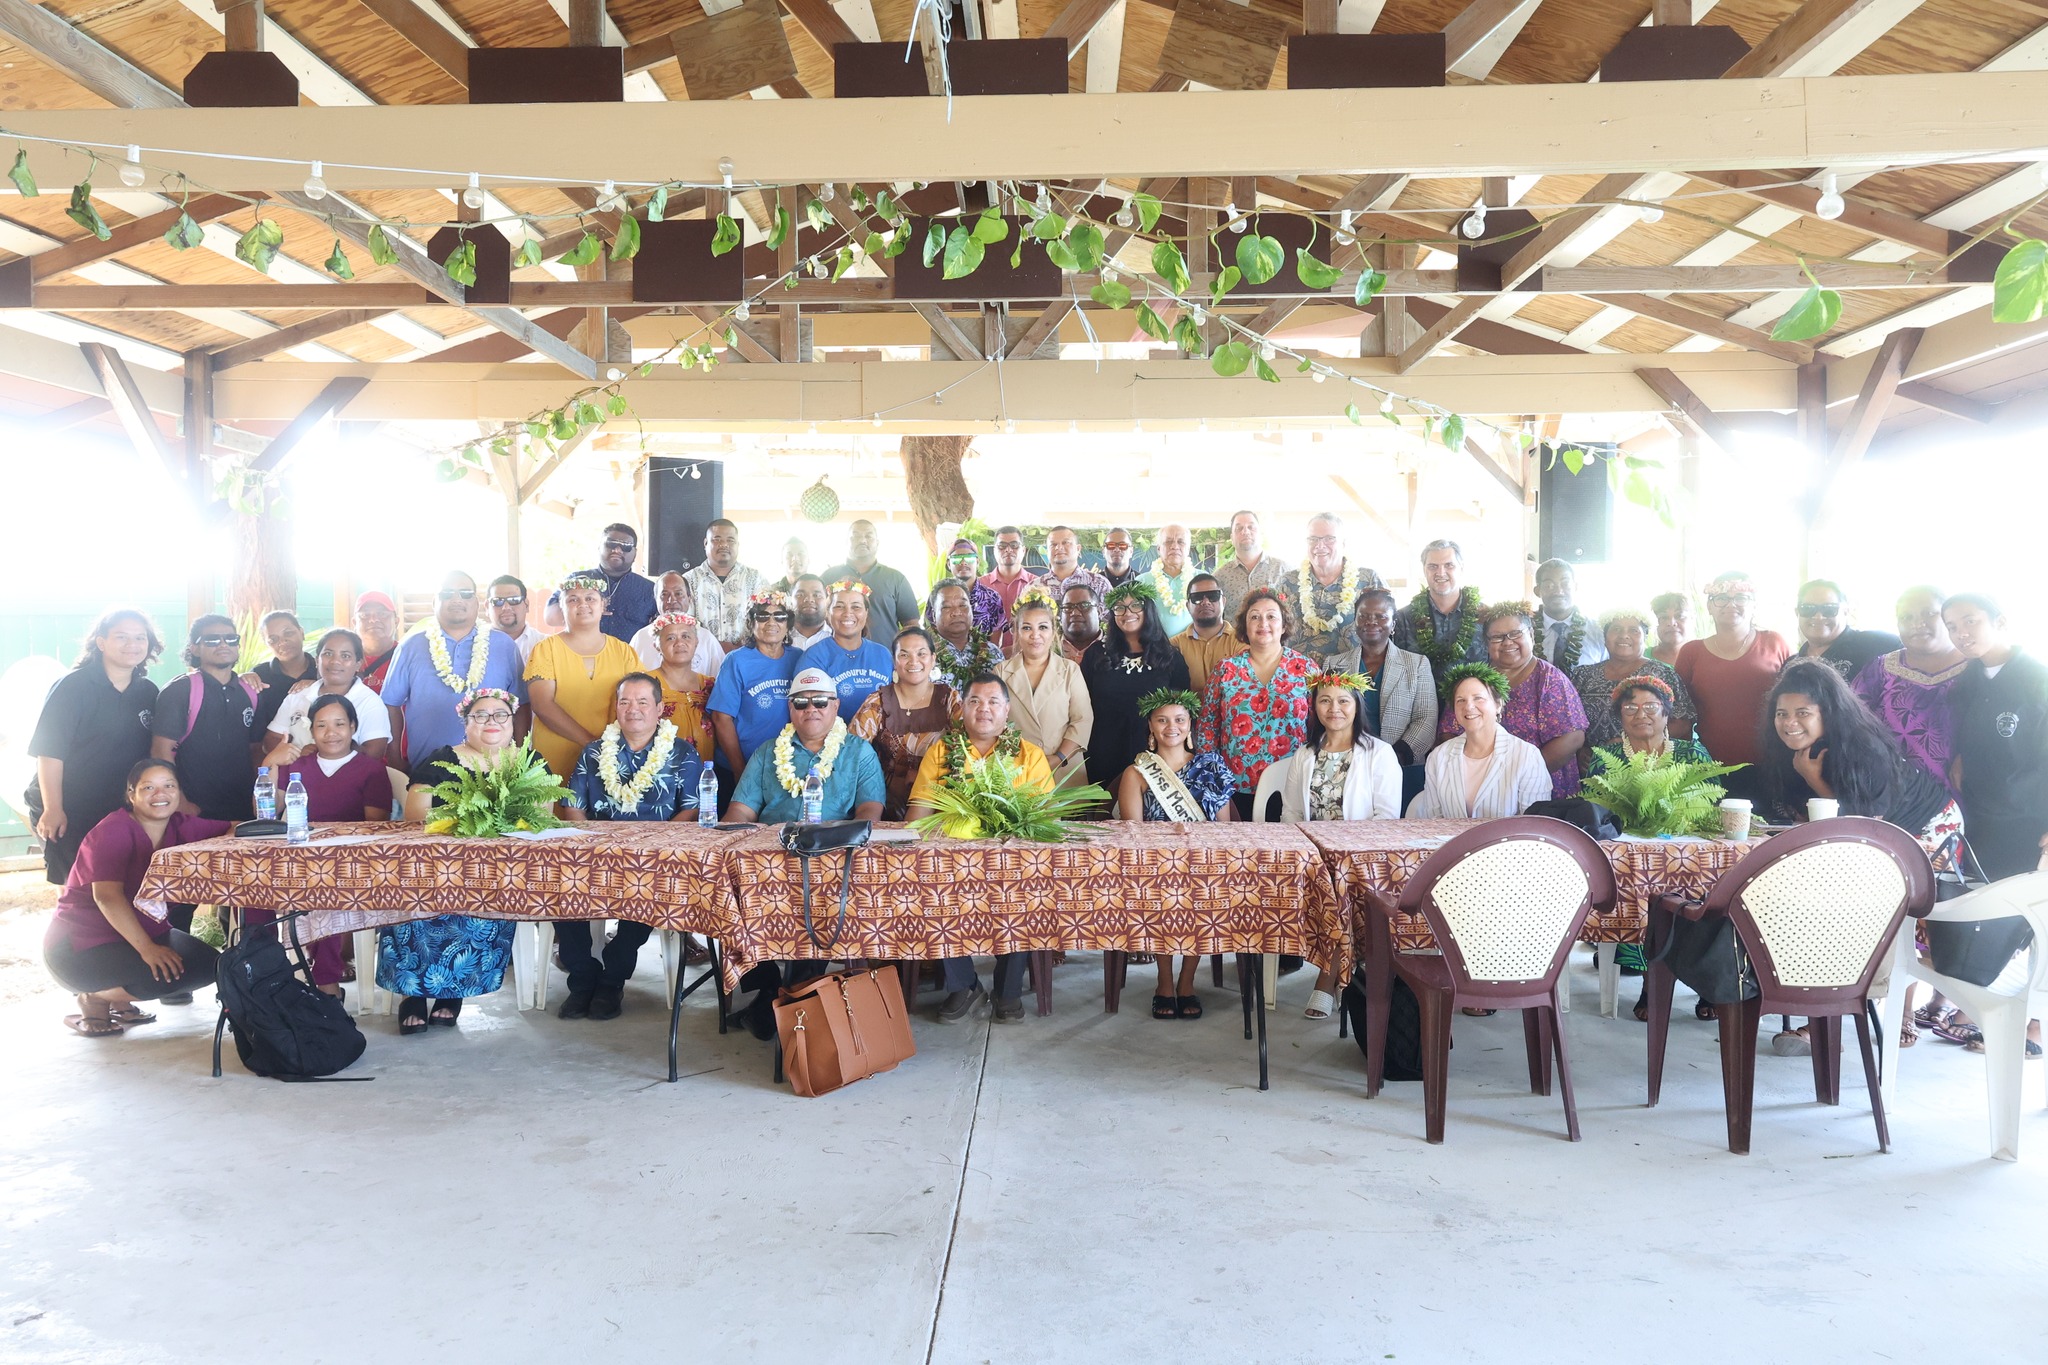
(813, 680)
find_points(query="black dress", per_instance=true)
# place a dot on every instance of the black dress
(1114, 683)
(2001, 737)
(98, 734)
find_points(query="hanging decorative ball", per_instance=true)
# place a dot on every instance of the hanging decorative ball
(818, 502)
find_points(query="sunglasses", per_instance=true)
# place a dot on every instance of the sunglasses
(214, 641)
(457, 594)
(626, 545)
(810, 703)
(1830, 610)
(506, 601)
(1210, 595)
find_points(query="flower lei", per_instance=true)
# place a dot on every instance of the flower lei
(1172, 601)
(1347, 591)
(977, 659)
(957, 748)
(444, 666)
(1574, 639)
(785, 757)
(626, 796)
(1424, 625)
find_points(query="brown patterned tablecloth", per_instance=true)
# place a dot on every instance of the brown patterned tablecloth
(1382, 854)
(1154, 887)
(672, 876)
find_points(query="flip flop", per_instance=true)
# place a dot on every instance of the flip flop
(1165, 1007)
(128, 1016)
(85, 1026)
(1190, 1006)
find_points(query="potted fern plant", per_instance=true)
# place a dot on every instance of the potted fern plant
(1657, 796)
(986, 802)
(515, 791)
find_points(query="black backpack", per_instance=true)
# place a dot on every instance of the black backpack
(284, 1026)
(1404, 1027)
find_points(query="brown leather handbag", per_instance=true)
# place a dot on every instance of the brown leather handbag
(842, 1027)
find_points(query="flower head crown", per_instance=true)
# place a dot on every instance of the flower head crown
(1355, 682)
(1136, 591)
(1647, 683)
(585, 582)
(849, 585)
(1496, 681)
(1037, 595)
(672, 618)
(1170, 696)
(767, 601)
(469, 699)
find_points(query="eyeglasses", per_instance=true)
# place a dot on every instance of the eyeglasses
(1206, 595)
(456, 594)
(215, 641)
(506, 601)
(1322, 541)
(1829, 610)
(771, 616)
(810, 703)
(1730, 597)
(1642, 708)
(1503, 639)
(489, 717)
(627, 545)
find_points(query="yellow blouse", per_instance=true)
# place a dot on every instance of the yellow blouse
(686, 709)
(586, 687)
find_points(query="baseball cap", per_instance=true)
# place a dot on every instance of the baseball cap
(377, 599)
(813, 680)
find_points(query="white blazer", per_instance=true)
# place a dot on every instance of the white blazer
(1372, 787)
(1408, 706)
(1514, 781)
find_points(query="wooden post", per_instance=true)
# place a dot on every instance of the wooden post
(1812, 430)
(243, 21)
(586, 23)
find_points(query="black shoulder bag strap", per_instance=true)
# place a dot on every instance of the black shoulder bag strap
(845, 892)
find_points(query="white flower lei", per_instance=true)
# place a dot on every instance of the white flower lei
(785, 757)
(444, 665)
(626, 796)
(1347, 591)
(1169, 603)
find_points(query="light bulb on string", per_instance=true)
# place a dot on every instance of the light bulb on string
(1345, 236)
(818, 270)
(1319, 374)
(1010, 426)
(1137, 426)
(811, 429)
(1235, 219)
(1044, 200)
(1073, 428)
(742, 311)
(1474, 225)
(695, 472)
(1267, 350)
(316, 186)
(1124, 217)
(876, 420)
(608, 194)
(131, 169)
(827, 192)
(614, 374)
(1830, 205)
(1201, 424)
(1198, 315)
(473, 197)
(1650, 213)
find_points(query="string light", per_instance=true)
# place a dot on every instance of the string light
(1830, 205)
(1345, 236)
(473, 197)
(1267, 350)
(1044, 200)
(316, 187)
(131, 169)
(1124, 217)
(1010, 426)
(1235, 219)
(614, 374)
(742, 311)
(1137, 426)
(1319, 374)
(607, 194)
(1474, 225)
(876, 420)
(1650, 213)
(827, 192)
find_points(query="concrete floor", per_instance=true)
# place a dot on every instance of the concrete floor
(1078, 1188)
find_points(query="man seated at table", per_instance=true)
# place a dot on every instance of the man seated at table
(983, 729)
(640, 768)
(771, 791)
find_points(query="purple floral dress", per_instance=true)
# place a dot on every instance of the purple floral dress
(1541, 707)
(1914, 707)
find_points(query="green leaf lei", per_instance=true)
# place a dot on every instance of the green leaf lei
(1425, 631)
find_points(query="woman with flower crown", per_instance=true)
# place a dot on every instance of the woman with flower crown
(1168, 780)
(572, 678)
(1133, 657)
(1048, 700)
(441, 962)
(641, 768)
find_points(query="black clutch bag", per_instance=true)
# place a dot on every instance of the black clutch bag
(260, 829)
(809, 840)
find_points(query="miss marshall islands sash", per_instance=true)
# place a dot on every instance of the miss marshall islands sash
(1168, 790)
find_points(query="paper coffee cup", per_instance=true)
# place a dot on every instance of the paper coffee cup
(1735, 819)
(1822, 808)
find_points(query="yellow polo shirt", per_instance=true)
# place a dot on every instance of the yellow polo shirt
(1204, 655)
(1034, 773)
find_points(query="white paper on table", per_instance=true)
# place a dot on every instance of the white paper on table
(338, 840)
(1429, 841)
(559, 832)
(894, 836)
(1663, 839)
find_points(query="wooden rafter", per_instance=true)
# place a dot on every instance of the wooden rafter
(1077, 22)
(1954, 404)
(1879, 384)
(1440, 331)
(1478, 34)
(204, 208)
(298, 334)
(1708, 325)
(948, 333)
(1818, 33)
(1769, 188)
(1046, 324)
(1492, 466)
(129, 405)
(1687, 408)
(332, 398)
(434, 40)
(749, 348)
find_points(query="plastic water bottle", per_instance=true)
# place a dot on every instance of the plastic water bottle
(296, 830)
(707, 797)
(814, 798)
(266, 794)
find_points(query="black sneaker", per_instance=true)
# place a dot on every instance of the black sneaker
(175, 998)
(607, 1003)
(577, 1006)
(959, 1004)
(1009, 1011)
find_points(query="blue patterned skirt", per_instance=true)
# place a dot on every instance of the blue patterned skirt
(448, 957)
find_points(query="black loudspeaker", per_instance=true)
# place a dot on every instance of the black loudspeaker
(1574, 512)
(680, 509)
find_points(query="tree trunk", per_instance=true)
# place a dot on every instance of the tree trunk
(266, 576)
(938, 491)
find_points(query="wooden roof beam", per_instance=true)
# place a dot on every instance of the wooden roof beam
(1821, 36)
(204, 208)
(1481, 33)
(1687, 409)
(1941, 400)
(298, 334)
(334, 396)
(1078, 21)
(1706, 324)
(1879, 385)
(432, 30)
(136, 419)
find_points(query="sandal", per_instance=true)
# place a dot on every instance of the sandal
(446, 1012)
(2033, 1048)
(1320, 1003)
(1165, 1007)
(1927, 1016)
(92, 1026)
(412, 1015)
(1141, 959)
(128, 1016)
(1949, 1031)
(1703, 1009)
(1642, 1009)
(1908, 1035)
(695, 954)
(1190, 1006)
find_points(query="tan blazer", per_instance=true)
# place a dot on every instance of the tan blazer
(1058, 713)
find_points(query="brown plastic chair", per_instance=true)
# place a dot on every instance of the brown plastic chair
(1816, 909)
(1506, 901)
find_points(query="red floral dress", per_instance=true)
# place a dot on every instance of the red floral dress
(1250, 723)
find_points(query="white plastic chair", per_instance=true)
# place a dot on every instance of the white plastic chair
(1268, 788)
(2000, 1010)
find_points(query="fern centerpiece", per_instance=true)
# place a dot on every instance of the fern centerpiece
(986, 802)
(515, 791)
(1657, 795)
